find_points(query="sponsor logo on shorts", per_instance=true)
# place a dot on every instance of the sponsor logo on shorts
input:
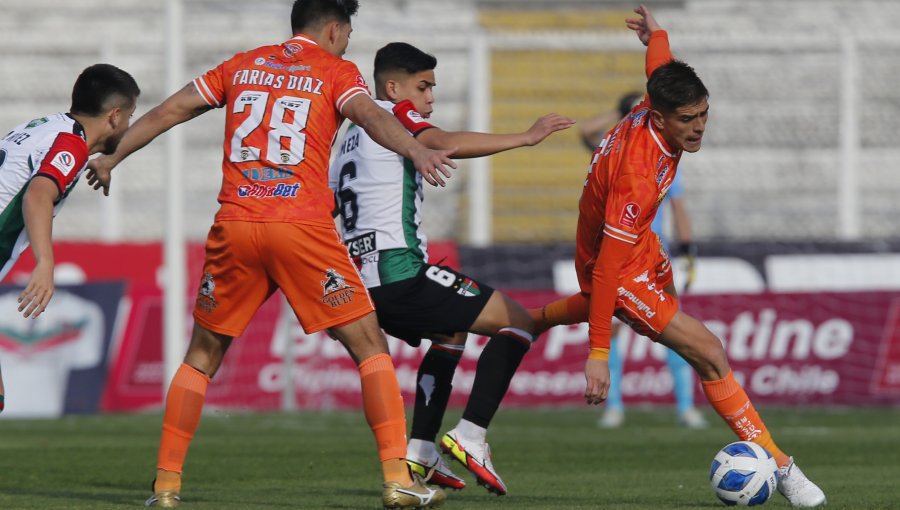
(206, 301)
(630, 214)
(64, 161)
(468, 288)
(336, 291)
(262, 191)
(640, 305)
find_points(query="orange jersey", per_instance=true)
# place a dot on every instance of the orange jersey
(630, 173)
(283, 108)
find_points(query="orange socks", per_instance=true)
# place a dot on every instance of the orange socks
(570, 310)
(385, 414)
(731, 402)
(184, 403)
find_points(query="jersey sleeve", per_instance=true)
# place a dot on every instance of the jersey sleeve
(64, 160)
(407, 114)
(211, 86)
(629, 206)
(348, 82)
(658, 52)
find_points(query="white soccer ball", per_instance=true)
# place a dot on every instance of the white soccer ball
(743, 473)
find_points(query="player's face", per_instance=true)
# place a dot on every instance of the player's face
(417, 88)
(119, 126)
(683, 129)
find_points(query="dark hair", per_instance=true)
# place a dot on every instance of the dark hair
(312, 13)
(398, 56)
(627, 102)
(97, 84)
(674, 85)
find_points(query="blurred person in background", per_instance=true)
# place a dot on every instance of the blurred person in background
(380, 200)
(40, 163)
(592, 132)
(274, 230)
(622, 269)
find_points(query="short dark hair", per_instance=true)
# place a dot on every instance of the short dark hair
(674, 85)
(311, 13)
(99, 83)
(400, 56)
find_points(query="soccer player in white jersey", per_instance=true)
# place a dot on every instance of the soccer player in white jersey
(379, 196)
(40, 162)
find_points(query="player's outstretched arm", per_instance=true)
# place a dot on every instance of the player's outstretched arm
(387, 131)
(181, 106)
(470, 144)
(37, 207)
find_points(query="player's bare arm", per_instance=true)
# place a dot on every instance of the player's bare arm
(38, 211)
(180, 107)
(643, 26)
(470, 144)
(387, 131)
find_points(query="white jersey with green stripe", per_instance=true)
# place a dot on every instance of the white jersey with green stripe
(52, 146)
(379, 198)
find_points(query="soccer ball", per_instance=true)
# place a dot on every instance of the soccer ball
(743, 473)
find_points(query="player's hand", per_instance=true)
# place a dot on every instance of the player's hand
(644, 26)
(689, 252)
(596, 372)
(546, 125)
(34, 299)
(99, 173)
(431, 164)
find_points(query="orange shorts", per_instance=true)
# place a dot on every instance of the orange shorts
(642, 302)
(246, 262)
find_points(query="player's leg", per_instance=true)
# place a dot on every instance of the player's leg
(312, 268)
(510, 328)
(703, 350)
(683, 387)
(573, 309)
(614, 412)
(233, 286)
(184, 406)
(434, 383)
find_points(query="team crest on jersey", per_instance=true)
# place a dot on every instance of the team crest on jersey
(64, 161)
(630, 214)
(468, 288)
(206, 301)
(291, 49)
(335, 288)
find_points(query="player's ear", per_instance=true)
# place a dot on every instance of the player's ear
(656, 117)
(113, 117)
(390, 88)
(332, 31)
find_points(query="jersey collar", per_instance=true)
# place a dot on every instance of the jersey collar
(660, 142)
(304, 38)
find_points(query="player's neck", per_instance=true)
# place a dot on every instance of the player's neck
(92, 126)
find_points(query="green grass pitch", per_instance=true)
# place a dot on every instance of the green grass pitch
(550, 459)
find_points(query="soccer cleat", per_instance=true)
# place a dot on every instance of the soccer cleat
(436, 473)
(692, 419)
(417, 495)
(799, 490)
(476, 457)
(612, 418)
(162, 499)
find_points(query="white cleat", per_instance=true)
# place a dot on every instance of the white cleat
(692, 419)
(799, 490)
(612, 418)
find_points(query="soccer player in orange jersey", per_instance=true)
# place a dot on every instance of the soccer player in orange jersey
(284, 103)
(622, 268)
